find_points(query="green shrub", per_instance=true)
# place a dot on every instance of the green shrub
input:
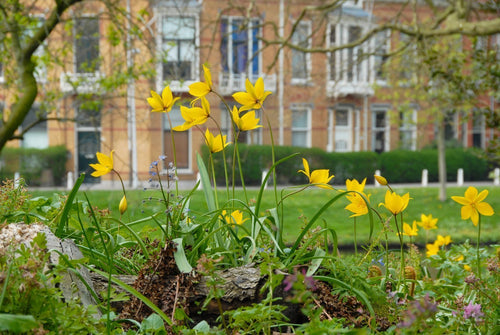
(31, 164)
(404, 166)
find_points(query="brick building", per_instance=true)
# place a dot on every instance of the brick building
(333, 101)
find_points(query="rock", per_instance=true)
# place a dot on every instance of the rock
(71, 285)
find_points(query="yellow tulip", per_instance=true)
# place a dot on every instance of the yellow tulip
(473, 205)
(427, 222)
(123, 205)
(104, 166)
(163, 103)
(236, 217)
(395, 203)
(217, 143)
(442, 240)
(358, 205)
(320, 178)
(410, 230)
(354, 185)
(254, 97)
(200, 89)
(432, 249)
(246, 122)
(194, 116)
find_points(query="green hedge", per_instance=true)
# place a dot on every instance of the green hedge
(402, 166)
(38, 167)
(399, 166)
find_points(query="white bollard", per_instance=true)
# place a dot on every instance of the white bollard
(198, 178)
(460, 177)
(264, 173)
(425, 177)
(496, 176)
(17, 177)
(377, 173)
(69, 180)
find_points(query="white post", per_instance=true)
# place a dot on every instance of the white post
(69, 180)
(425, 177)
(460, 177)
(198, 178)
(377, 173)
(17, 176)
(264, 173)
(496, 176)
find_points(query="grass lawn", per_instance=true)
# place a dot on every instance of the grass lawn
(301, 206)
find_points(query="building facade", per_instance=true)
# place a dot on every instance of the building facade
(336, 101)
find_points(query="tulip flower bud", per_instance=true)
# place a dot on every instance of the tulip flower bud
(381, 180)
(123, 205)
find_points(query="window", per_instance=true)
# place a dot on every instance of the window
(301, 129)
(181, 139)
(407, 57)
(301, 61)
(240, 46)
(343, 129)
(347, 65)
(380, 141)
(408, 129)
(179, 47)
(88, 116)
(87, 45)
(382, 47)
(88, 137)
(36, 136)
(478, 130)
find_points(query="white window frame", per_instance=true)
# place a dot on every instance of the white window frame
(160, 14)
(308, 63)
(409, 127)
(330, 128)
(348, 128)
(386, 128)
(306, 130)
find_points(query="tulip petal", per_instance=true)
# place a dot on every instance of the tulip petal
(485, 209)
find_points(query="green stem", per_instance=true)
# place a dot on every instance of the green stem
(478, 241)
(401, 245)
(355, 241)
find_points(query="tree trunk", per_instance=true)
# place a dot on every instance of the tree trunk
(441, 160)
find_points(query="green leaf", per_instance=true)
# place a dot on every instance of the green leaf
(17, 323)
(316, 262)
(153, 323)
(205, 183)
(180, 257)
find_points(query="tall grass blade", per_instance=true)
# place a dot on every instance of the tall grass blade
(63, 221)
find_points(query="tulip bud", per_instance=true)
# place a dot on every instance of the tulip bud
(123, 205)
(381, 180)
